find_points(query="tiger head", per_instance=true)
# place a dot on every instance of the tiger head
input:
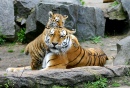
(56, 20)
(59, 40)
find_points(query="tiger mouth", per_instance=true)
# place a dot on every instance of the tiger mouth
(53, 48)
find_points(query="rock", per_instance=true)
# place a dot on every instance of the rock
(88, 21)
(23, 8)
(7, 18)
(123, 52)
(126, 6)
(116, 11)
(63, 77)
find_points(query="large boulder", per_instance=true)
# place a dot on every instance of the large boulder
(7, 18)
(63, 77)
(116, 11)
(126, 6)
(88, 21)
(123, 52)
(23, 8)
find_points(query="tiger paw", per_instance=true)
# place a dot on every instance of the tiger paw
(19, 69)
(13, 70)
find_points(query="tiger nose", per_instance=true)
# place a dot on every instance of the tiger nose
(54, 44)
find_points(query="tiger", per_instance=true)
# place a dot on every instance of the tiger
(37, 47)
(64, 51)
(56, 20)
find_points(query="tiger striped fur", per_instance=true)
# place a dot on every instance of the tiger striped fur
(66, 52)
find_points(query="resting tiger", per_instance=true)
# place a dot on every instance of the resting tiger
(66, 52)
(37, 47)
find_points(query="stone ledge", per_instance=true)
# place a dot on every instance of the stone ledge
(63, 77)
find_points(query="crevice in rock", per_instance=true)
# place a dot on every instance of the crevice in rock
(32, 35)
(116, 27)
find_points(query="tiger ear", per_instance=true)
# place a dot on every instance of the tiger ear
(65, 16)
(50, 13)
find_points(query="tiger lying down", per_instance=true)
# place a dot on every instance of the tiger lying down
(64, 51)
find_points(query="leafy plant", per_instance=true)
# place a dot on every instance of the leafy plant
(101, 83)
(115, 84)
(96, 39)
(115, 3)
(82, 2)
(10, 50)
(21, 35)
(2, 40)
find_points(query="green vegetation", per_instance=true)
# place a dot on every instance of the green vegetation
(101, 83)
(82, 2)
(22, 51)
(115, 84)
(21, 35)
(55, 86)
(10, 51)
(115, 3)
(2, 40)
(96, 39)
(6, 85)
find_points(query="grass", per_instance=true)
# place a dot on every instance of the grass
(2, 40)
(10, 51)
(115, 84)
(82, 2)
(115, 3)
(21, 35)
(96, 39)
(100, 83)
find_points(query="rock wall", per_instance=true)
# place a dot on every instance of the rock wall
(7, 18)
(88, 21)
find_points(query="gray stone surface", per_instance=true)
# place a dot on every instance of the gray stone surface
(88, 21)
(123, 52)
(7, 18)
(62, 77)
(23, 8)
(126, 6)
(116, 12)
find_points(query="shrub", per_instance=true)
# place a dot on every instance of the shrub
(21, 35)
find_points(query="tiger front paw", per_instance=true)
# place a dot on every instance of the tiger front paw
(12, 70)
(18, 69)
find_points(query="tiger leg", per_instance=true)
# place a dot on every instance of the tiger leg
(36, 63)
